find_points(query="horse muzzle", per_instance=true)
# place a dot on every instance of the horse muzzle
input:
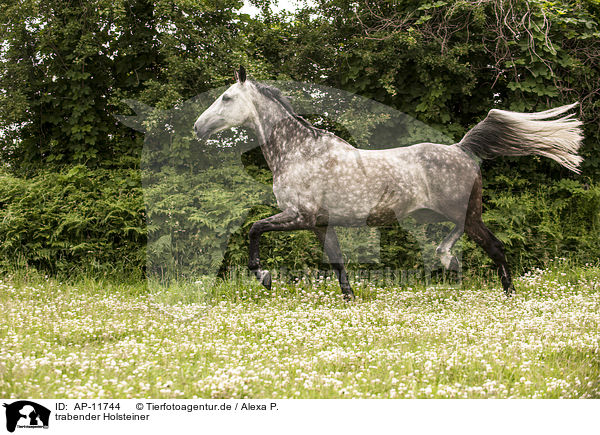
(204, 129)
(201, 131)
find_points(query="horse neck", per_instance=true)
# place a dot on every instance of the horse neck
(282, 137)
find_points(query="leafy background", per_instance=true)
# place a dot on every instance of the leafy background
(71, 196)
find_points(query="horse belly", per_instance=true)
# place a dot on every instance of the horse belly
(366, 201)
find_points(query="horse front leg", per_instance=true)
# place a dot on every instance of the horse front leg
(331, 246)
(288, 220)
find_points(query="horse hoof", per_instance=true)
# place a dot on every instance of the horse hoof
(264, 277)
(348, 294)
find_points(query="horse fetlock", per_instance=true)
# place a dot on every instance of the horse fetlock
(264, 277)
(509, 289)
(347, 293)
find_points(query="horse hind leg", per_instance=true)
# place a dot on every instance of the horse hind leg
(480, 234)
(495, 249)
(449, 261)
(328, 238)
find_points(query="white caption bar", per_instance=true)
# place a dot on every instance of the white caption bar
(24, 416)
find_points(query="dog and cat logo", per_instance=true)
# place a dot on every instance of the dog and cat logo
(25, 414)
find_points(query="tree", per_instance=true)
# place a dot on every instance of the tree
(66, 67)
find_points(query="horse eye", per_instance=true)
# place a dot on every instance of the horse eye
(226, 98)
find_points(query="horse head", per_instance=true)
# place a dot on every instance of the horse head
(232, 109)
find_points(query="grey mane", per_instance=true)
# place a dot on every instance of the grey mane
(276, 95)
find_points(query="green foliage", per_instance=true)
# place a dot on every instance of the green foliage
(67, 67)
(192, 214)
(81, 219)
(78, 219)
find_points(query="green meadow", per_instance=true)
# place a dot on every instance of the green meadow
(234, 339)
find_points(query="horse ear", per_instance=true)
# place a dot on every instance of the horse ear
(241, 74)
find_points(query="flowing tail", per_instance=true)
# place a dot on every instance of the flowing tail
(504, 133)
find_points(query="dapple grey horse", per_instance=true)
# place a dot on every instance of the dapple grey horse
(320, 181)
